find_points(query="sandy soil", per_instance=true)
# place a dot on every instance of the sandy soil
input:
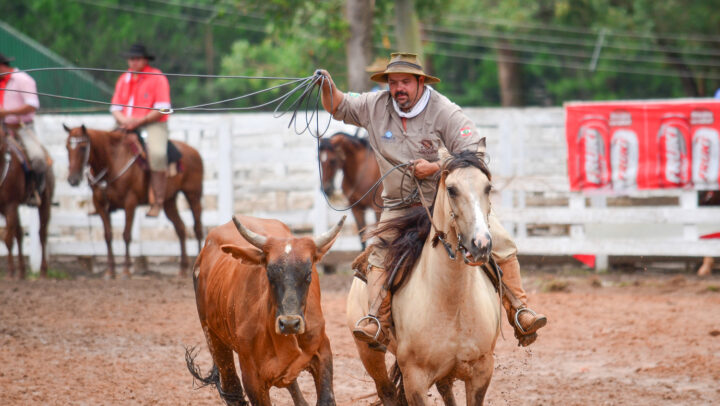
(611, 340)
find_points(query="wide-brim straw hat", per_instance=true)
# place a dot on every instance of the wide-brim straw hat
(401, 62)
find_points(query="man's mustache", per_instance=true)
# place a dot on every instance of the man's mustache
(401, 94)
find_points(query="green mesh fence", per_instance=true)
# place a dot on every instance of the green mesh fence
(29, 54)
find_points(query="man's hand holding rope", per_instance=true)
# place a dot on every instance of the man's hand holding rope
(331, 95)
(423, 169)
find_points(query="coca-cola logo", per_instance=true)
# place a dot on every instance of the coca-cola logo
(620, 118)
(700, 117)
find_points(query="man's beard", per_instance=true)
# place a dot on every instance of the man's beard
(406, 103)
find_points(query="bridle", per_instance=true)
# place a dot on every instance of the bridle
(97, 180)
(492, 270)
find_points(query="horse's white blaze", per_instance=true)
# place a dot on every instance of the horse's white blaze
(288, 248)
(481, 225)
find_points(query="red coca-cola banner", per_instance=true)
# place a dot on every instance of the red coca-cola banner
(620, 146)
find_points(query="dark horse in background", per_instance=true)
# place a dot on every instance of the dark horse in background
(356, 159)
(14, 189)
(119, 181)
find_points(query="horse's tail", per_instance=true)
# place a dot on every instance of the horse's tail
(397, 380)
(213, 378)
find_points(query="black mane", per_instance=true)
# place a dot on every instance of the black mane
(413, 228)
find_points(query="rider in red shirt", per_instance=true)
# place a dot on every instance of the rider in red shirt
(134, 98)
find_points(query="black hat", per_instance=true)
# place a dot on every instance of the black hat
(138, 50)
(4, 60)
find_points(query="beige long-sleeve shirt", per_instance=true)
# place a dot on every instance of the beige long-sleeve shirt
(441, 123)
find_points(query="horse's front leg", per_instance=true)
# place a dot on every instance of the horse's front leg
(10, 239)
(359, 214)
(416, 384)
(322, 371)
(104, 213)
(131, 203)
(44, 212)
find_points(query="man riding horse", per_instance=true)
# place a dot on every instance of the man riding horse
(18, 103)
(135, 97)
(410, 122)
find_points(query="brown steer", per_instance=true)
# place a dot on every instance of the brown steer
(258, 294)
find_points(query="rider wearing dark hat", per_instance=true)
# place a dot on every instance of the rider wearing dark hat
(411, 122)
(135, 98)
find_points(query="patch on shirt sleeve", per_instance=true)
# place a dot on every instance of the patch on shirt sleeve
(465, 132)
(353, 94)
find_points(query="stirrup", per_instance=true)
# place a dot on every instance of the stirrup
(373, 318)
(517, 321)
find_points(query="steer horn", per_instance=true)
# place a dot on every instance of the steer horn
(323, 239)
(252, 237)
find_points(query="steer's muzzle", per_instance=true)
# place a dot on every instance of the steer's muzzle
(290, 325)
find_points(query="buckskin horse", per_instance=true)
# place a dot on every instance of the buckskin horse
(118, 181)
(354, 157)
(446, 312)
(13, 192)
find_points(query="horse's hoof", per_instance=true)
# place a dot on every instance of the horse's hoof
(108, 275)
(126, 275)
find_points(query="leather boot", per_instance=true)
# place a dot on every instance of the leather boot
(373, 328)
(525, 321)
(33, 197)
(158, 180)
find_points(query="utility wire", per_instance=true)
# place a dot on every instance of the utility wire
(136, 10)
(570, 65)
(587, 31)
(554, 40)
(562, 52)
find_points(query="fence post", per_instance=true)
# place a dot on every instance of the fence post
(35, 248)
(226, 187)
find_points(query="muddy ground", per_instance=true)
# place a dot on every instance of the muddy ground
(613, 339)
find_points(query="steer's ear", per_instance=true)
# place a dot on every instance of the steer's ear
(247, 254)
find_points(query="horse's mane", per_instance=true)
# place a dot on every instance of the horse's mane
(326, 143)
(413, 228)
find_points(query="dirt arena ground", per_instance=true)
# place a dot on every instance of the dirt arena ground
(612, 340)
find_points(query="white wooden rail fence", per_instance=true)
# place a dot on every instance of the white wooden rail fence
(255, 165)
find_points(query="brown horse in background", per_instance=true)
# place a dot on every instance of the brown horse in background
(354, 156)
(118, 181)
(13, 192)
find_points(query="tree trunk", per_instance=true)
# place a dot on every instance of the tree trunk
(689, 83)
(359, 45)
(407, 29)
(510, 78)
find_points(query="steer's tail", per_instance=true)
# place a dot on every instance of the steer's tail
(213, 378)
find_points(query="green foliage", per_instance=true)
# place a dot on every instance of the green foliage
(553, 41)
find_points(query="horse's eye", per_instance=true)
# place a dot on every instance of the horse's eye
(452, 191)
(488, 189)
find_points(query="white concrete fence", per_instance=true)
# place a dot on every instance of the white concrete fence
(255, 165)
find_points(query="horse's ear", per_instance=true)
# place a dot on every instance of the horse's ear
(66, 127)
(84, 130)
(482, 144)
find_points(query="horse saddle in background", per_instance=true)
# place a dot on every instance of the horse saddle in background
(18, 149)
(138, 146)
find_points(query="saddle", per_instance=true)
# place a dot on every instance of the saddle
(137, 145)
